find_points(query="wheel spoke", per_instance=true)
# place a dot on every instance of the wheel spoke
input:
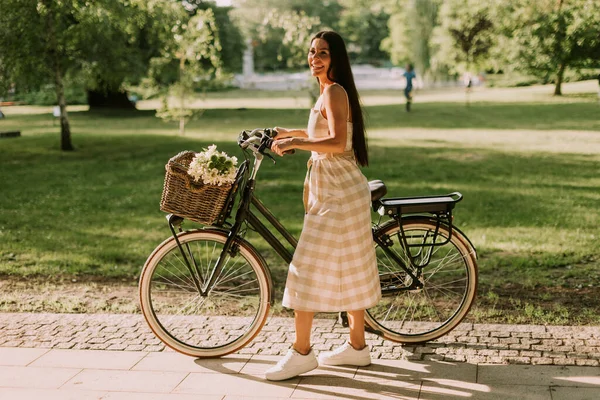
(427, 312)
(220, 321)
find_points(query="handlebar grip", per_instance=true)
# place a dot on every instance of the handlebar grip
(269, 143)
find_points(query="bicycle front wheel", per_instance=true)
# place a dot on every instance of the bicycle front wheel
(211, 324)
(408, 313)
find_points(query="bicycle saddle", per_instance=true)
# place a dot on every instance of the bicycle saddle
(378, 189)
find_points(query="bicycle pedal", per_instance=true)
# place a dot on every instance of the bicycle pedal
(343, 319)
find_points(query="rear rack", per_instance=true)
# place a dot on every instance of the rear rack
(418, 205)
(438, 207)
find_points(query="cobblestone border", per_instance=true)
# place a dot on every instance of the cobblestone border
(472, 343)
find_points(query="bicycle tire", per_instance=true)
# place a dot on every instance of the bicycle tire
(224, 320)
(450, 284)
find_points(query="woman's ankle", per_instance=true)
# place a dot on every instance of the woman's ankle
(302, 349)
(359, 347)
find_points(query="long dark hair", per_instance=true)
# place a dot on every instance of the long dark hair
(340, 72)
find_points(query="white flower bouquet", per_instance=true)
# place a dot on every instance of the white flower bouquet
(213, 167)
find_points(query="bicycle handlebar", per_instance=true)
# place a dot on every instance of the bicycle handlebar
(258, 140)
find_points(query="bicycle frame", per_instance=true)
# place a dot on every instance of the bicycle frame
(200, 271)
(246, 214)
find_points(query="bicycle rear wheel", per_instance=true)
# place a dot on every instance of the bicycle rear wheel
(214, 324)
(449, 283)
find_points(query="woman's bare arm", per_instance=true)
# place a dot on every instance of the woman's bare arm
(283, 133)
(336, 110)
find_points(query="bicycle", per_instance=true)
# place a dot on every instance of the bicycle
(207, 292)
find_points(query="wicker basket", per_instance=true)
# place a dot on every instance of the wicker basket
(189, 199)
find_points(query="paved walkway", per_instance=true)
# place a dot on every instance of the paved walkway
(70, 356)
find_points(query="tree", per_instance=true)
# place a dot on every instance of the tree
(195, 53)
(230, 36)
(552, 35)
(123, 35)
(411, 26)
(465, 35)
(100, 43)
(37, 47)
(363, 25)
(262, 23)
(294, 29)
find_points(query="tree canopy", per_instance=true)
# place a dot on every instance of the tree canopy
(109, 45)
(411, 26)
(464, 36)
(550, 36)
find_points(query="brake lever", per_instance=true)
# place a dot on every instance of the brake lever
(271, 157)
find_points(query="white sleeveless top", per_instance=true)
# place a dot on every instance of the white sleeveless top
(317, 124)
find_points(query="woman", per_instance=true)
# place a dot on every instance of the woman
(334, 266)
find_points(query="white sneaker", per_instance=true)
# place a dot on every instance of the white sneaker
(346, 355)
(293, 364)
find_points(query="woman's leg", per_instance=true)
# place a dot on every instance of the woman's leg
(303, 321)
(302, 359)
(355, 351)
(356, 320)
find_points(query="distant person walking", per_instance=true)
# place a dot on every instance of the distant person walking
(409, 75)
(598, 87)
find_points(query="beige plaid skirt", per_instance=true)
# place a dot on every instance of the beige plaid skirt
(334, 266)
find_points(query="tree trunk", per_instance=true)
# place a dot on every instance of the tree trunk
(182, 97)
(65, 128)
(560, 37)
(110, 99)
(559, 79)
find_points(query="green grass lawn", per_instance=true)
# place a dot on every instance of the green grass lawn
(529, 174)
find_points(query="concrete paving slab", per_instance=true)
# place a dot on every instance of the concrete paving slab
(15, 356)
(171, 361)
(40, 378)
(90, 359)
(49, 394)
(581, 380)
(154, 396)
(546, 375)
(318, 387)
(257, 366)
(567, 393)
(238, 385)
(333, 371)
(257, 397)
(417, 370)
(470, 362)
(126, 381)
(461, 390)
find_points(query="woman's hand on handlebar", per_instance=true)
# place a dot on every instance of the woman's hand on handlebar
(279, 132)
(282, 146)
